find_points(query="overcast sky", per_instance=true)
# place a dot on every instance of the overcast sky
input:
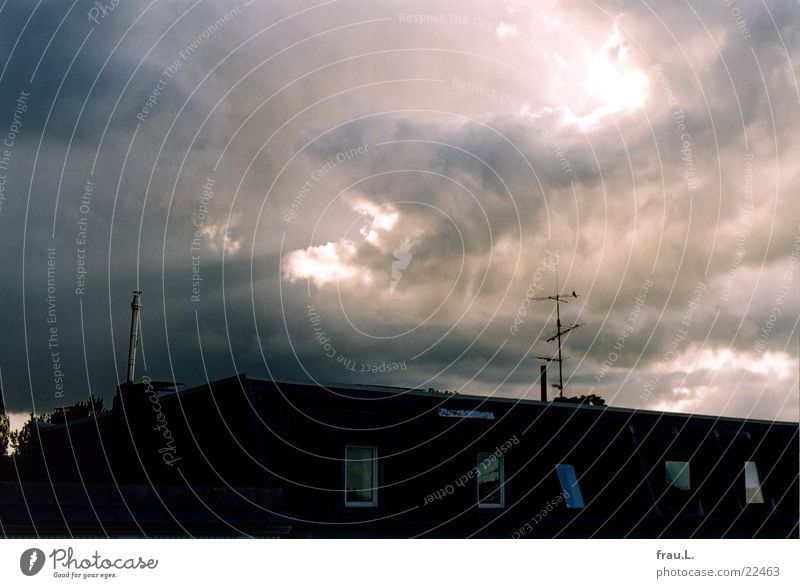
(369, 192)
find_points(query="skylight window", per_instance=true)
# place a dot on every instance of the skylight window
(573, 498)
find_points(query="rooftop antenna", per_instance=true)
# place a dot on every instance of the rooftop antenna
(136, 306)
(559, 298)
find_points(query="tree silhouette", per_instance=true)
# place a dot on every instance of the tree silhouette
(21, 439)
(79, 410)
(591, 399)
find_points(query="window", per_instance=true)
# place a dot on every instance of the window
(752, 484)
(491, 481)
(678, 475)
(569, 485)
(361, 475)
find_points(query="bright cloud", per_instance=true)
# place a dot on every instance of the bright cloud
(337, 261)
(506, 31)
(379, 219)
(775, 363)
(613, 82)
(723, 380)
(323, 264)
(218, 234)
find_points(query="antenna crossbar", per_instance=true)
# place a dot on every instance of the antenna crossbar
(558, 298)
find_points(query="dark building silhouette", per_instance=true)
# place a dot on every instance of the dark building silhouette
(251, 457)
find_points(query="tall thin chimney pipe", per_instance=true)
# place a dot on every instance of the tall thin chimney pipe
(543, 381)
(136, 306)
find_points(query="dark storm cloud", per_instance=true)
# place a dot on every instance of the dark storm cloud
(408, 181)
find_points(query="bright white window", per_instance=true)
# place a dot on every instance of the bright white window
(569, 485)
(678, 475)
(491, 481)
(752, 484)
(361, 476)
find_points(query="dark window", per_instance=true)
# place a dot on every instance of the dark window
(361, 476)
(491, 481)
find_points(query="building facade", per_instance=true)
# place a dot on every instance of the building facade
(249, 457)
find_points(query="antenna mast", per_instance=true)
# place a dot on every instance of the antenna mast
(559, 298)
